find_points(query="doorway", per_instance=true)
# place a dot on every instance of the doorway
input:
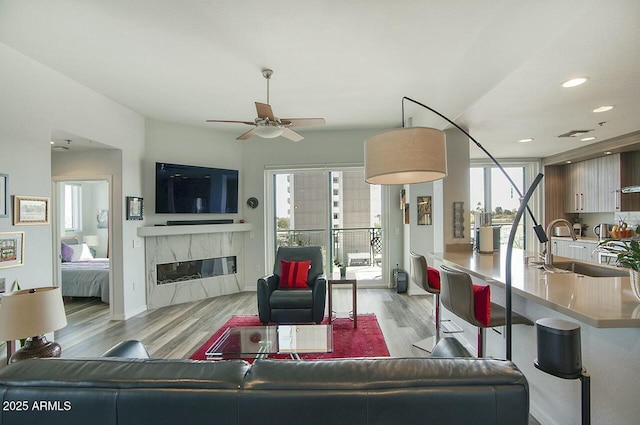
(81, 236)
(334, 209)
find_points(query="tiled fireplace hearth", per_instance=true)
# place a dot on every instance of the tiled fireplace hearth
(191, 263)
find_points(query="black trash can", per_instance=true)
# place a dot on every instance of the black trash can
(401, 280)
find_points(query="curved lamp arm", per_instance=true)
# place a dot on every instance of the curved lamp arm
(524, 200)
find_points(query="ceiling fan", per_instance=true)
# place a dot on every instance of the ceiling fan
(268, 126)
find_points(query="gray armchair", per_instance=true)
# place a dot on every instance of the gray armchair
(294, 305)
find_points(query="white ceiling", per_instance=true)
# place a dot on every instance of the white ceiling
(494, 66)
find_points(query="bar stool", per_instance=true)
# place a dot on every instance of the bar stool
(472, 303)
(428, 278)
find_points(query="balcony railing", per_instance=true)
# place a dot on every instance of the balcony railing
(360, 246)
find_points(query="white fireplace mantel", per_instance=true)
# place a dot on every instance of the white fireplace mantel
(193, 229)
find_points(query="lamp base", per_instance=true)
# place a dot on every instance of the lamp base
(37, 347)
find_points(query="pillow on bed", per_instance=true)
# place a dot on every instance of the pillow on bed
(81, 252)
(66, 253)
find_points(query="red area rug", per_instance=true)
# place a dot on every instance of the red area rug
(365, 341)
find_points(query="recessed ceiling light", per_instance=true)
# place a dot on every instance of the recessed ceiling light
(568, 162)
(527, 140)
(603, 108)
(608, 153)
(52, 142)
(586, 139)
(574, 82)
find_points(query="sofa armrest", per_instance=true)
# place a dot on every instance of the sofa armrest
(266, 285)
(131, 349)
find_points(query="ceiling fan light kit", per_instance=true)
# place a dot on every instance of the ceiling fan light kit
(268, 126)
(268, 131)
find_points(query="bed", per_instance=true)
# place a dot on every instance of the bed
(83, 275)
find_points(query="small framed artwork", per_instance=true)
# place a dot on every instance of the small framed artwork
(11, 249)
(102, 219)
(4, 197)
(30, 210)
(403, 199)
(406, 213)
(135, 208)
(424, 210)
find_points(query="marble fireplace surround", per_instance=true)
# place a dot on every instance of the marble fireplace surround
(167, 244)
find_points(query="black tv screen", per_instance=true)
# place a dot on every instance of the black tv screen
(188, 189)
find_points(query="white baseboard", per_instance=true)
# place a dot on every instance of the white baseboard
(129, 315)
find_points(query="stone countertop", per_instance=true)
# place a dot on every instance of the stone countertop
(604, 302)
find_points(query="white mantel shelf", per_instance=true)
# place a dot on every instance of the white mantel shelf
(152, 231)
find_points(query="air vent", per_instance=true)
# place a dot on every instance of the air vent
(575, 133)
(60, 148)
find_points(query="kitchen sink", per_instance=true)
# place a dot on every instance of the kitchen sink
(591, 270)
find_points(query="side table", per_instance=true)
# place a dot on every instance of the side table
(354, 297)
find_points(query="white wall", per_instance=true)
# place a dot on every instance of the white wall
(35, 100)
(170, 142)
(326, 148)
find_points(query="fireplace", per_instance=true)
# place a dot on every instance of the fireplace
(193, 262)
(181, 271)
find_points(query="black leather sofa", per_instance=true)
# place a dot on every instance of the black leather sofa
(107, 391)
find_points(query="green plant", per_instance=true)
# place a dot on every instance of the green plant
(339, 264)
(627, 252)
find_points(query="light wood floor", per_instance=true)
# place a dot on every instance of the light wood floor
(177, 331)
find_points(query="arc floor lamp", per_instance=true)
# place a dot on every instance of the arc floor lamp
(418, 155)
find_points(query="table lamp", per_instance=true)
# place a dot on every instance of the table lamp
(92, 242)
(31, 313)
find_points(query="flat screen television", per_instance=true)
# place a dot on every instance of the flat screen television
(188, 189)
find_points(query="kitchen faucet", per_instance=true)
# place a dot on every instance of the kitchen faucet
(548, 256)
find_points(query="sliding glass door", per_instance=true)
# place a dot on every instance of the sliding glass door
(334, 209)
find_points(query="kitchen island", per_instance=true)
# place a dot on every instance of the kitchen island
(604, 307)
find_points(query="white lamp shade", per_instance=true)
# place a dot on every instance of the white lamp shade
(91, 240)
(405, 156)
(268, 131)
(31, 312)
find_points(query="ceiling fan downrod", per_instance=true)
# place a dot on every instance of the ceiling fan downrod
(267, 73)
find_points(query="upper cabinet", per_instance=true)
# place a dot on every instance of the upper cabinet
(592, 186)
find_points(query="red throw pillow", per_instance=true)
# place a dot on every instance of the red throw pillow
(433, 275)
(293, 274)
(482, 303)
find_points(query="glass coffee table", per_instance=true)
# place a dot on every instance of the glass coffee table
(260, 341)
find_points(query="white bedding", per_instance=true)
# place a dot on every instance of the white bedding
(88, 278)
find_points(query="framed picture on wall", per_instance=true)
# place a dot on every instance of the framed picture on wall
(11, 249)
(4, 197)
(424, 210)
(135, 208)
(102, 219)
(30, 210)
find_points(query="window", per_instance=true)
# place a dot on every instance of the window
(336, 191)
(491, 192)
(336, 204)
(72, 207)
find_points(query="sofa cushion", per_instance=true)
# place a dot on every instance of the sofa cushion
(291, 298)
(293, 274)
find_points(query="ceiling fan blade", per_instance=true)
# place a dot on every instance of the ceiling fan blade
(291, 135)
(301, 122)
(232, 121)
(246, 135)
(264, 111)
